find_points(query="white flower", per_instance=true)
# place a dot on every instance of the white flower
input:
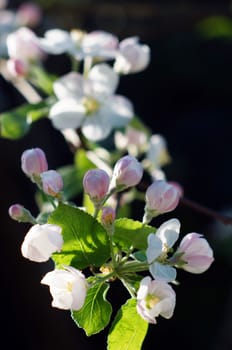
(99, 44)
(68, 288)
(57, 41)
(158, 246)
(90, 103)
(41, 241)
(132, 56)
(155, 298)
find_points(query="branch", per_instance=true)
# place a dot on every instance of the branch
(226, 220)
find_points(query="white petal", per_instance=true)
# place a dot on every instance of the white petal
(67, 113)
(104, 80)
(56, 41)
(162, 272)
(120, 110)
(144, 288)
(96, 127)
(70, 85)
(168, 232)
(154, 248)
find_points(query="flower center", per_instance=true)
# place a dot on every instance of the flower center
(151, 301)
(69, 286)
(91, 105)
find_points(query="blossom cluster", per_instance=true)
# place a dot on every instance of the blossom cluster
(95, 238)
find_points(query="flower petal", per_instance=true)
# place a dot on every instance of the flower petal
(69, 86)
(96, 127)
(162, 272)
(168, 232)
(120, 110)
(104, 80)
(67, 113)
(154, 248)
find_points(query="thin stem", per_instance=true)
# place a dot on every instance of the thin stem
(226, 220)
(128, 287)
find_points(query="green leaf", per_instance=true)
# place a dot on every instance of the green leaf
(128, 330)
(96, 312)
(85, 239)
(16, 122)
(129, 233)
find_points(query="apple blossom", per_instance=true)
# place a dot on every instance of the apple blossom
(52, 182)
(57, 41)
(33, 162)
(133, 140)
(195, 254)
(132, 57)
(68, 288)
(161, 197)
(17, 67)
(96, 184)
(159, 245)
(100, 44)
(155, 298)
(90, 104)
(41, 242)
(19, 213)
(23, 44)
(127, 172)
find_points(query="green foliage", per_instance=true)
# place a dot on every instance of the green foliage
(129, 233)
(85, 239)
(128, 330)
(96, 312)
(16, 123)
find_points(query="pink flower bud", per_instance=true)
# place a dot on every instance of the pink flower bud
(96, 184)
(19, 213)
(52, 182)
(17, 67)
(108, 216)
(161, 197)
(33, 162)
(196, 254)
(127, 172)
(41, 242)
(178, 187)
(28, 14)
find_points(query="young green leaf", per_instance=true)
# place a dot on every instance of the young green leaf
(129, 233)
(128, 329)
(96, 312)
(85, 239)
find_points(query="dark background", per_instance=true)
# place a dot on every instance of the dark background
(185, 95)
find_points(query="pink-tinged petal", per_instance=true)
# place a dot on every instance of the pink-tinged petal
(56, 41)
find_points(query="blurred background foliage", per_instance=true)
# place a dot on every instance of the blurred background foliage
(185, 95)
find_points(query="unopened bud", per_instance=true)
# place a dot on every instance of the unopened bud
(52, 182)
(127, 172)
(161, 197)
(19, 213)
(33, 162)
(96, 184)
(195, 254)
(17, 67)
